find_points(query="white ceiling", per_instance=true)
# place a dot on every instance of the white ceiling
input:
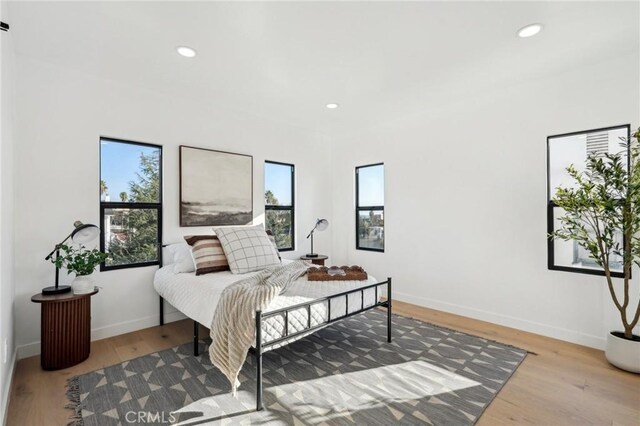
(282, 60)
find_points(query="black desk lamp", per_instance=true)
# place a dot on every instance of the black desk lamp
(321, 225)
(81, 234)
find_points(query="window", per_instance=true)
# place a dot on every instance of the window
(370, 207)
(572, 149)
(130, 203)
(279, 204)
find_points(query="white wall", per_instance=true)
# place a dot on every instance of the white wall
(465, 210)
(62, 114)
(465, 192)
(7, 282)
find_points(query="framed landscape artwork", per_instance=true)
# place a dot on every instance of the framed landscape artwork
(216, 187)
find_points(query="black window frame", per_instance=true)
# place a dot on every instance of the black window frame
(551, 206)
(131, 206)
(291, 208)
(360, 208)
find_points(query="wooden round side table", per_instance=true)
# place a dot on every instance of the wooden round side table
(316, 260)
(65, 329)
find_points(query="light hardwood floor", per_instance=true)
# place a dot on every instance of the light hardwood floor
(562, 384)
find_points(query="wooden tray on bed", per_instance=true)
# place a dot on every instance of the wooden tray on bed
(352, 273)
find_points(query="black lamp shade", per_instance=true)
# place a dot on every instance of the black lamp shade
(84, 233)
(322, 224)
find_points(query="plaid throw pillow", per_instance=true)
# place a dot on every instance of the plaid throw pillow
(207, 254)
(247, 248)
(272, 238)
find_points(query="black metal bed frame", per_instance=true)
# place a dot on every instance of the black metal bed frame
(259, 349)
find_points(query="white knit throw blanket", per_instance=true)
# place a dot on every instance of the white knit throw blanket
(233, 326)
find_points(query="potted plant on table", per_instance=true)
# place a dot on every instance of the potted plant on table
(82, 262)
(603, 206)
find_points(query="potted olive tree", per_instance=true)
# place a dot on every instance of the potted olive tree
(602, 207)
(82, 262)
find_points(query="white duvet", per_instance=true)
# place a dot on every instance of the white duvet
(198, 296)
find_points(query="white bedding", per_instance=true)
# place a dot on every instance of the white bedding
(198, 296)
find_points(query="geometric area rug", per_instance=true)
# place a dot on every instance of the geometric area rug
(343, 374)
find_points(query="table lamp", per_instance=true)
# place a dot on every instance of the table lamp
(82, 233)
(321, 225)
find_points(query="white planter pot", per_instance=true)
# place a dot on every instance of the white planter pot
(83, 284)
(623, 353)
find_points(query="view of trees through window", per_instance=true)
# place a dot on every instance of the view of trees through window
(279, 203)
(130, 202)
(370, 207)
(573, 149)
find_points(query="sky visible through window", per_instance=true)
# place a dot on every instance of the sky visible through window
(371, 190)
(119, 163)
(278, 180)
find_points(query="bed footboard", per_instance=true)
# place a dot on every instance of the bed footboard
(260, 316)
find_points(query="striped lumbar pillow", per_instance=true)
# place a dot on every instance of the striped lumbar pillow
(207, 254)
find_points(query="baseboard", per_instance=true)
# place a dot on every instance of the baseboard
(505, 320)
(6, 391)
(32, 349)
(134, 325)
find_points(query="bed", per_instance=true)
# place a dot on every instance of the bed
(301, 309)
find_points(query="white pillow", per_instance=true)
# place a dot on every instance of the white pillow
(182, 259)
(247, 248)
(167, 255)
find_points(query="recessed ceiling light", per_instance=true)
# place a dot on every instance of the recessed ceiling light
(185, 51)
(529, 30)
(332, 106)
